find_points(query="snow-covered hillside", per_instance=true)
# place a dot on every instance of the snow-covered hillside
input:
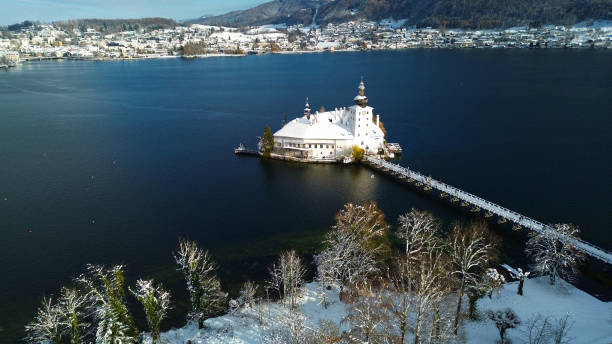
(590, 319)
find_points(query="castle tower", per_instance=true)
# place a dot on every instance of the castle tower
(307, 109)
(361, 99)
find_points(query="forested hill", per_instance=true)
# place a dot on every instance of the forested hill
(117, 25)
(474, 14)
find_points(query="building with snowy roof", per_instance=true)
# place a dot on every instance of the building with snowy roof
(331, 135)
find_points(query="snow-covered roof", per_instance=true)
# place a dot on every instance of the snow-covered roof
(360, 97)
(322, 125)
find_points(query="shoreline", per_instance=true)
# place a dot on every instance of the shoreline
(295, 52)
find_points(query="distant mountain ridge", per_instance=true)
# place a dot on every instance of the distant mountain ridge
(473, 14)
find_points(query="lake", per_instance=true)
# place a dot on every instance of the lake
(111, 162)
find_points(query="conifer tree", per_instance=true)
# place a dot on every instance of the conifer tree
(72, 304)
(203, 285)
(156, 303)
(107, 299)
(267, 141)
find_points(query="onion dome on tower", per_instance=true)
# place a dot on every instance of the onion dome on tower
(307, 109)
(361, 99)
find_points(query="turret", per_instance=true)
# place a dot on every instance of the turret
(307, 109)
(361, 99)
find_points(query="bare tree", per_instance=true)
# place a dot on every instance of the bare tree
(203, 285)
(246, 298)
(560, 330)
(544, 330)
(353, 246)
(366, 314)
(344, 261)
(287, 276)
(537, 330)
(47, 326)
(368, 222)
(504, 319)
(553, 252)
(156, 303)
(429, 287)
(419, 229)
(401, 307)
(471, 249)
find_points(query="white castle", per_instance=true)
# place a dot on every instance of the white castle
(331, 135)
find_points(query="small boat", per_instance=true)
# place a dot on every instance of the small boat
(240, 148)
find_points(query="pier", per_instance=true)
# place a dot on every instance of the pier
(478, 204)
(242, 150)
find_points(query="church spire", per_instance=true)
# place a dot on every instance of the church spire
(307, 109)
(361, 99)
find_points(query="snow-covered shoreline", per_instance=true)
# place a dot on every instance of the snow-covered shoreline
(590, 318)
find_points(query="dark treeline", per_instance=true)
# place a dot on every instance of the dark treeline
(103, 25)
(117, 25)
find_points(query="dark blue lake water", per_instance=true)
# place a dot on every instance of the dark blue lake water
(110, 162)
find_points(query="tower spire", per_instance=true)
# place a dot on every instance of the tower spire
(361, 99)
(307, 109)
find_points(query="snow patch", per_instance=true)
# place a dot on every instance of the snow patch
(591, 319)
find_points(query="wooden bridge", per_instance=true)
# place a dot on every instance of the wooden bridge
(478, 203)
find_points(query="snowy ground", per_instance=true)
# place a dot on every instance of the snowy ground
(591, 319)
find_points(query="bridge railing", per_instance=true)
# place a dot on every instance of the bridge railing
(497, 209)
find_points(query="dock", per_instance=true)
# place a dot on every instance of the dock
(242, 150)
(394, 148)
(519, 221)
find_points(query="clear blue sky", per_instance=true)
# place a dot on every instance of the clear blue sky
(14, 11)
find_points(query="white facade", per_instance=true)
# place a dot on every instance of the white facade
(331, 134)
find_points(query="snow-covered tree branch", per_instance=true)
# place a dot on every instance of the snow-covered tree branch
(553, 254)
(156, 303)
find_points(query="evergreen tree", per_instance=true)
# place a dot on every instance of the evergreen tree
(203, 285)
(267, 141)
(156, 303)
(107, 297)
(72, 303)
